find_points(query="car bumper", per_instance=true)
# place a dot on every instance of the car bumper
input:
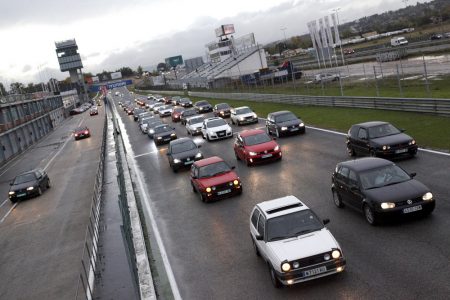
(197, 131)
(312, 272)
(419, 208)
(262, 158)
(406, 151)
(218, 195)
(164, 140)
(292, 131)
(175, 119)
(248, 121)
(24, 195)
(217, 137)
(185, 164)
(82, 136)
(164, 115)
(224, 115)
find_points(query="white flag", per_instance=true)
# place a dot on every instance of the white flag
(322, 34)
(328, 30)
(316, 34)
(336, 29)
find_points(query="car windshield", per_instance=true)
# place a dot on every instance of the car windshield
(256, 139)
(244, 110)
(185, 100)
(285, 117)
(202, 103)
(384, 176)
(178, 109)
(383, 130)
(154, 124)
(161, 129)
(81, 129)
(223, 106)
(24, 178)
(196, 120)
(292, 225)
(214, 169)
(216, 123)
(189, 113)
(183, 147)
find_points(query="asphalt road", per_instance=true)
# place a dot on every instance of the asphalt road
(209, 246)
(41, 239)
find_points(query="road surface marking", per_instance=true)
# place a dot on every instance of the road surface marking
(9, 211)
(3, 202)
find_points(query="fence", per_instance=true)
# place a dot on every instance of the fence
(90, 250)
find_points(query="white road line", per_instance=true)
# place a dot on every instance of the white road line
(4, 202)
(143, 154)
(9, 211)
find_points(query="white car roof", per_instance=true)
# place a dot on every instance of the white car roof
(281, 206)
(213, 119)
(240, 107)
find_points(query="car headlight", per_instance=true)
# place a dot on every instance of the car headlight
(236, 182)
(427, 197)
(159, 137)
(302, 125)
(208, 190)
(286, 267)
(326, 256)
(176, 161)
(413, 142)
(241, 119)
(284, 128)
(387, 205)
(30, 188)
(255, 116)
(198, 155)
(336, 254)
(222, 112)
(296, 265)
(152, 131)
(251, 153)
(386, 147)
(11, 193)
(173, 134)
(276, 148)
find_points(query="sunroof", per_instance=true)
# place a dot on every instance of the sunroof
(275, 210)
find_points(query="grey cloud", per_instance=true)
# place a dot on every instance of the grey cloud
(26, 68)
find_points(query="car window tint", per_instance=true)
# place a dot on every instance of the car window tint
(244, 110)
(343, 173)
(362, 133)
(255, 216)
(183, 147)
(216, 123)
(24, 178)
(292, 224)
(257, 139)
(214, 169)
(383, 176)
(261, 225)
(352, 179)
(383, 130)
(285, 117)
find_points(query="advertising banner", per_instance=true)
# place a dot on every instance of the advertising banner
(96, 88)
(116, 75)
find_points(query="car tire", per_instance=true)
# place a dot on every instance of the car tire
(268, 131)
(372, 153)
(256, 248)
(207, 138)
(351, 152)
(273, 277)
(175, 170)
(202, 197)
(193, 188)
(337, 200)
(277, 133)
(369, 214)
(48, 184)
(188, 133)
(13, 200)
(39, 191)
(232, 121)
(237, 156)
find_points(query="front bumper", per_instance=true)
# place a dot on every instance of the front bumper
(292, 130)
(414, 209)
(410, 150)
(23, 195)
(216, 136)
(224, 193)
(247, 120)
(164, 139)
(262, 158)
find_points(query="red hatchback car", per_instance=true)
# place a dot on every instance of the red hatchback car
(255, 146)
(176, 114)
(81, 132)
(212, 178)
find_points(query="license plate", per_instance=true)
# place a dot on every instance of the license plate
(21, 195)
(266, 155)
(401, 151)
(294, 129)
(221, 134)
(189, 162)
(412, 209)
(314, 271)
(224, 192)
(168, 139)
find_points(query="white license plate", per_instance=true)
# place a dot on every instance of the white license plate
(294, 129)
(412, 209)
(401, 151)
(314, 271)
(189, 162)
(224, 192)
(266, 155)
(21, 195)
(168, 139)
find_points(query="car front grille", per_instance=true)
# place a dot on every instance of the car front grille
(221, 133)
(404, 203)
(400, 146)
(312, 260)
(223, 186)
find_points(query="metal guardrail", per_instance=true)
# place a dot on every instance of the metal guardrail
(423, 105)
(85, 287)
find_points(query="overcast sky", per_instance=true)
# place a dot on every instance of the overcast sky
(111, 34)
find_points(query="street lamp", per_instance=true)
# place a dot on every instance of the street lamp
(336, 10)
(284, 32)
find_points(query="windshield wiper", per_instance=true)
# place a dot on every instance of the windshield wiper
(301, 232)
(221, 172)
(392, 183)
(279, 238)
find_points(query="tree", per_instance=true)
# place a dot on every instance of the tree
(139, 70)
(17, 88)
(126, 71)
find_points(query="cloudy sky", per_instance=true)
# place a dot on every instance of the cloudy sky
(111, 34)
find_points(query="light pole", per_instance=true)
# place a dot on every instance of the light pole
(285, 47)
(336, 10)
(284, 33)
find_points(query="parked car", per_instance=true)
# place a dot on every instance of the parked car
(185, 102)
(183, 153)
(176, 100)
(379, 139)
(348, 51)
(28, 184)
(216, 128)
(212, 178)
(165, 111)
(194, 125)
(243, 115)
(203, 106)
(93, 111)
(327, 77)
(283, 123)
(436, 36)
(256, 146)
(163, 134)
(380, 189)
(151, 127)
(176, 114)
(222, 110)
(81, 132)
(294, 242)
(186, 114)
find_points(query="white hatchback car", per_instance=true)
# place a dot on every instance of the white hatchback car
(293, 241)
(194, 125)
(243, 115)
(216, 128)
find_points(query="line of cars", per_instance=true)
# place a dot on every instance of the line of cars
(292, 240)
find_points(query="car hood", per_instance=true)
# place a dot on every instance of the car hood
(185, 154)
(303, 246)
(397, 192)
(219, 128)
(165, 110)
(196, 125)
(289, 123)
(165, 133)
(392, 139)
(261, 147)
(22, 186)
(245, 115)
(219, 179)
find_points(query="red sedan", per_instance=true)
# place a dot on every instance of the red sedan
(81, 132)
(176, 114)
(212, 178)
(255, 146)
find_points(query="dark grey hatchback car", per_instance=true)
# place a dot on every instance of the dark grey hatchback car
(380, 189)
(182, 153)
(379, 139)
(28, 184)
(283, 123)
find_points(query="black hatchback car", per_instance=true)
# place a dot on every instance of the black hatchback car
(28, 184)
(186, 114)
(380, 189)
(283, 123)
(182, 153)
(379, 139)
(222, 110)
(163, 134)
(203, 106)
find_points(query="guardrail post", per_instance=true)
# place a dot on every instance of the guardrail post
(399, 83)
(376, 81)
(427, 84)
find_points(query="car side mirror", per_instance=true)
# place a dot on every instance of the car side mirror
(259, 237)
(413, 175)
(11, 183)
(402, 130)
(325, 221)
(233, 167)
(194, 177)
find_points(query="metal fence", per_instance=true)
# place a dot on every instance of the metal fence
(85, 285)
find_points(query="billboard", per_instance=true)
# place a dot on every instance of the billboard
(174, 61)
(95, 79)
(96, 88)
(224, 30)
(116, 75)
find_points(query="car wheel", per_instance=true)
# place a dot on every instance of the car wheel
(277, 133)
(188, 133)
(273, 277)
(337, 199)
(351, 152)
(373, 153)
(175, 170)
(39, 191)
(193, 188)
(13, 200)
(237, 156)
(369, 214)
(255, 248)
(232, 121)
(207, 138)
(202, 197)
(48, 184)
(268, 131)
